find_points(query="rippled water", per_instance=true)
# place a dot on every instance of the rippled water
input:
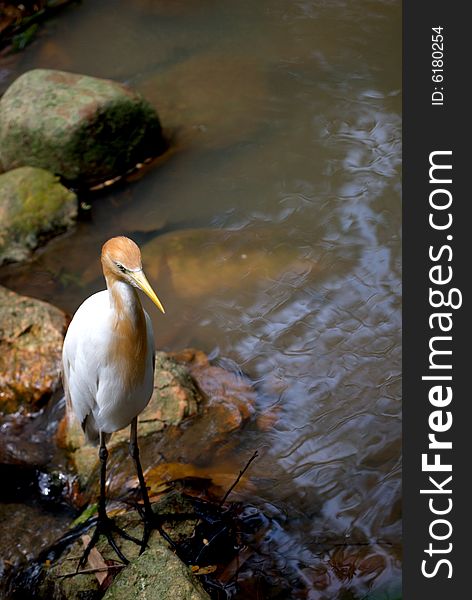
(286, 119)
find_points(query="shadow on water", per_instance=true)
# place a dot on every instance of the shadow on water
(285, 182)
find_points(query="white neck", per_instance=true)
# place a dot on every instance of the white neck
(124, 299)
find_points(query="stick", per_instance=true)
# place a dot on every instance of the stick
(238, 478)
(87, 571)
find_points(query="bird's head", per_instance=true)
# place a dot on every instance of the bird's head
(121, 261)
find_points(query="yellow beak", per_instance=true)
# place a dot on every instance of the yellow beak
(141, 281)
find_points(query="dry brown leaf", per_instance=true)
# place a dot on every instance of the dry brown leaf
(96, 561)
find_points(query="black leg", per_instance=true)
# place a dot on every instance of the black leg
(151, 520)
(105, 526)
(134, 453)
(103, 454)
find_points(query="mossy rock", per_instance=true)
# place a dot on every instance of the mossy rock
(156, 575)
(34, 206)
(82, 128)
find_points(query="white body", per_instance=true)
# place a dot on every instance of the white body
(95, 386)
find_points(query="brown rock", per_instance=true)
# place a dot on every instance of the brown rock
(31, 335)
(230, 397)
(22, 453)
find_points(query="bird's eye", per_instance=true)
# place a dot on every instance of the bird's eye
(121, 267)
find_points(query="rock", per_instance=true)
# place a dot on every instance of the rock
(211, 401)
(34, 206)
(23, 453)
(202, 262)
(156, 575)
(85, 129)
(31, 335)
(226, 390)
(199, 102)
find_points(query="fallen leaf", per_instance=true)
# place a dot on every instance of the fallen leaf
(96, 561)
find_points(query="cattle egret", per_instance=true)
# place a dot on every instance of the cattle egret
(108, 369)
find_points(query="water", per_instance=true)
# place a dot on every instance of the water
(285, 118)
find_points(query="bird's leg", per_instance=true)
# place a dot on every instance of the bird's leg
(103, 455)
(134, 453)
(105, 525)
(150, 519)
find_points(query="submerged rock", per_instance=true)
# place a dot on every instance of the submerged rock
(82, 128)
(31, 334)
(34, 206)
(199, 101)
(200, 262)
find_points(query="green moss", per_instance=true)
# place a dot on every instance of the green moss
(21, 40)
(38, 202)
(156, 575)
(34, 205)
(85, 515)
(85, 129)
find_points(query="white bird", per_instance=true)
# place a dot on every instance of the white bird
(108, 368)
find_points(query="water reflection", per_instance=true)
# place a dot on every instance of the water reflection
(286, 118)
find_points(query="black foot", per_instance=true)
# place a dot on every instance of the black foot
(106, 526)
(152, 521)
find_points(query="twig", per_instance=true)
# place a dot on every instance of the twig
(95, 570)
(76, 557)
(238, 478)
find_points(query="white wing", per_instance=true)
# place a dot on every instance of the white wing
(81, 355)
(93, 385)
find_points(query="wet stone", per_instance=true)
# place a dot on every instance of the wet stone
(31, 334)
(21, 542)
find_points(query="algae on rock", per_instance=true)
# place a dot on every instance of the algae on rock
(158, 574)
(83, 128)
(33, 207)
